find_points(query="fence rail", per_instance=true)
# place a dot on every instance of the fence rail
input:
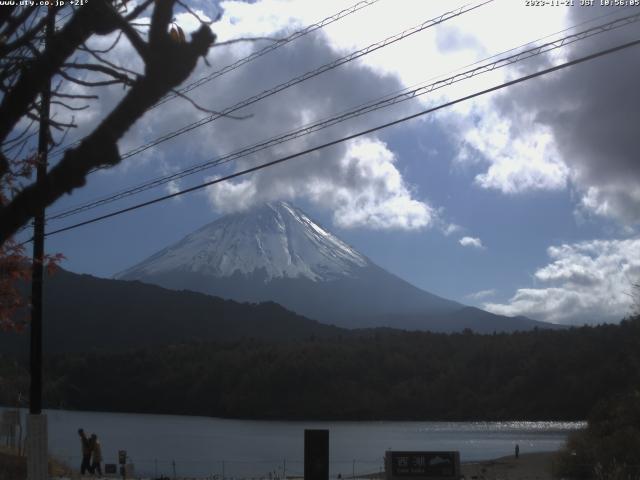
(262, 469)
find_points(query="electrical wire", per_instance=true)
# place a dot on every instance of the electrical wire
(302, 78)
(253, 56)
(214, 162)
(362, 109)
(269, 48)
(350, 137)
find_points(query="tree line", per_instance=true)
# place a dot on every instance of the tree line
(377, 374)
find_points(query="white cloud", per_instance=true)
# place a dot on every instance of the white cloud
(589, 282)
(450, 229)
(481, 294)
(619, 199)
(360, 182)
(366, 188)
(516, 162)
(471, 242)
(514, 167)
(590, 139)
(232, 196)
(559, 130)
(362, 187)
(368, 191)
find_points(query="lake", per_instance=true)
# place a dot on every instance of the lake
(202, 446)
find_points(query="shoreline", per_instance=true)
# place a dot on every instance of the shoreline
(275, 419)
(529, 466)
(535, 465)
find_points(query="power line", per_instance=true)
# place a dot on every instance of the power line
(349, 137)
(308, 75)
(269, 48)
(215, 161)
(522, 46)
(402, 96)
(363, 109)
(253, 56)
(304, 77)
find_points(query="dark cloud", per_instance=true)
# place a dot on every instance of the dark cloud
(359, 182)
(593, 111)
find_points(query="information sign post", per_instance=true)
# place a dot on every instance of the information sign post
(422, 465)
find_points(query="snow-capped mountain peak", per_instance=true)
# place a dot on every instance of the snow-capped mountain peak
(276, 253)
(275, 239)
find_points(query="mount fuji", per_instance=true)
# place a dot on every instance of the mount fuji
(275, 252)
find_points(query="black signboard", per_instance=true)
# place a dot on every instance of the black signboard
(316, 455)
(423, 464)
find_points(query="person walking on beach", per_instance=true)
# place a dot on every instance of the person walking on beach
(96, 454)
(85, 466)
(517, 450)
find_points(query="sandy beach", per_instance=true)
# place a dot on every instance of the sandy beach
(529, 466)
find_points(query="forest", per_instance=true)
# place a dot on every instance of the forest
(372, 374)
(610, 445)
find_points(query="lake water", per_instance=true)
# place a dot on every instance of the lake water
(202, 446)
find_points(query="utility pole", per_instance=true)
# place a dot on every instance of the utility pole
(37, 444)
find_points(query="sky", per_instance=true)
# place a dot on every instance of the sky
(524, 201)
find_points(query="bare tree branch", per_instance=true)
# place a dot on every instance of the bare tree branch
(167, 65)
(24, 39)
(62, 125)
(160, 20)
(94, 67)
(138, 10)
(5, 14)
(86, 83)
(13, 23)
(103, 60)
(192, 12)
(84, 47)
(132, 35)
(206, 110)
(69, 107)
(19, 136)
(88, 20)
(74, 95)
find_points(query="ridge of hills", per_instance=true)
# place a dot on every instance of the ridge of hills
(85, 313)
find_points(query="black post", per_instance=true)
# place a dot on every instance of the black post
(35, 397)
(316, 455)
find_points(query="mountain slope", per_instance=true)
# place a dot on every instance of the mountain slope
(277, 239)
(275, 252)
(84, 313)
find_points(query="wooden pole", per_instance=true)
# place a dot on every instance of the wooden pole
(35, 397)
